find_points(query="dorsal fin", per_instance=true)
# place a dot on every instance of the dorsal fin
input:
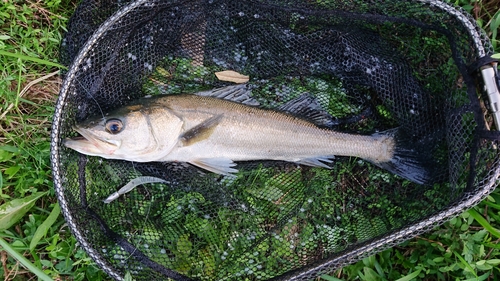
(238, 93)
(306, 106)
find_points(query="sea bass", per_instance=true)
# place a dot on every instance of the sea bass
(212, 133)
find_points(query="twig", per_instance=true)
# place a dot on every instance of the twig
(14, 271)
(3, 258)
(476, 227)
(26, 88)
(45, 11)
(339, 274)
(431, 241)
(491, 250)
(25, 262)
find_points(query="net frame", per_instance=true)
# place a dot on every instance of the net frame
(469, 199)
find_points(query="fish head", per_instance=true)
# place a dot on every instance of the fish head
(133, 133)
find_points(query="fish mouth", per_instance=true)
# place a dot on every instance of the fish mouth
(89, 144)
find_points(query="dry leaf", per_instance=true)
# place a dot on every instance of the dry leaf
(232, 76)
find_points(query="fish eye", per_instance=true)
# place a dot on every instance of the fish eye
(114, 126)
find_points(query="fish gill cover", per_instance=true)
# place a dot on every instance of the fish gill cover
(368, 66)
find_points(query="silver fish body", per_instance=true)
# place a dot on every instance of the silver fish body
(240, 133)
(212, 133)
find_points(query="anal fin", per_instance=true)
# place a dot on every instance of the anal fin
(216, 165)
(317, 161)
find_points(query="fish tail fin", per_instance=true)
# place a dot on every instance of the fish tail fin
(412, 160)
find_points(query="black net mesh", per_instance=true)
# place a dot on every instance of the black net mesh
(372, 65)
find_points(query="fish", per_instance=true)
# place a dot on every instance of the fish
(214, 133)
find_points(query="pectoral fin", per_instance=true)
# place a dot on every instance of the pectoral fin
(201, 131)
(216, 165)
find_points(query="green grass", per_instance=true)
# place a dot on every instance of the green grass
(34, 238)
(30, 33)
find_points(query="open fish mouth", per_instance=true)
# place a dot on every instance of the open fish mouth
(86, 143)
(81, 145)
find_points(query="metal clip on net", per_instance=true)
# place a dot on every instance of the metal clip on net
(489, 73)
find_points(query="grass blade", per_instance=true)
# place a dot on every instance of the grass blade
(371, 274)
(12, 211)
(329, 278)
(35, 270)
(465, 263)
(45, 226)
(479, 278)
(410, 276)
(37, 60)
(493, 205)
(484, 223)
(9, 148)
(128, 277)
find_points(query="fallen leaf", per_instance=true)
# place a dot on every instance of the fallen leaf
(232, 76)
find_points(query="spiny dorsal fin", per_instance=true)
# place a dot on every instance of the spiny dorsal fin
(237, 93)
(201, 131)
(307, 106)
